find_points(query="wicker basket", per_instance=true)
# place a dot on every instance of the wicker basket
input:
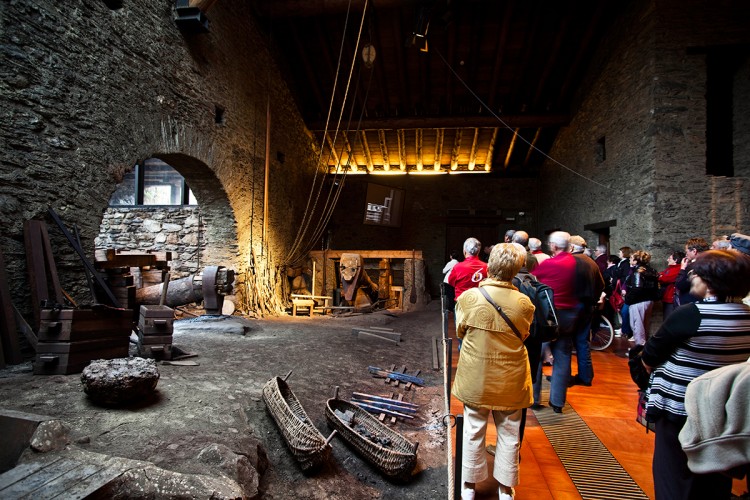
(395, 460)
(307, 444)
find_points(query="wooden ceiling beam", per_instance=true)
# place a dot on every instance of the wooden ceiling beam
(439, 137)
(366, 149)
(473, 153)
(332, 147)
(401, 149)
(384, 149)
(351, 160)
(456, 149)
(477, 121)
(510, 148)
(532, 147)
(491, 150)
(419, 149)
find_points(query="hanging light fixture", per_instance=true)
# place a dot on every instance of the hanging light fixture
(368, 55)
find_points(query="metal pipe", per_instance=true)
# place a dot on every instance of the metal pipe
(458, 482)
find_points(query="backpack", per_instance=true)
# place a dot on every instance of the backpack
(544, 327)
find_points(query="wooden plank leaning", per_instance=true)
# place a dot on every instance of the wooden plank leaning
(99, 280)
(10, 350)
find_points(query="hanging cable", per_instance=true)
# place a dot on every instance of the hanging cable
(308, 212)
(323, 223)
(485, 106)
(306, 215)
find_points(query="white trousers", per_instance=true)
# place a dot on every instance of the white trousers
(474, 466)
(640, 320)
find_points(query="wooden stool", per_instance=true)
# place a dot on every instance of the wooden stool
(309, 303)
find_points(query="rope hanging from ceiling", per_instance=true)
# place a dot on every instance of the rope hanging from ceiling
(504, 124)
(298, 252)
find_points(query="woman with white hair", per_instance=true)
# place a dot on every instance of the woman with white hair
(493, 375)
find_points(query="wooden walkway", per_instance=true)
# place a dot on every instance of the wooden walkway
(60, 477)
(608, 409)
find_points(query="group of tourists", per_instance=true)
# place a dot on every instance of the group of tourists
(706, 327)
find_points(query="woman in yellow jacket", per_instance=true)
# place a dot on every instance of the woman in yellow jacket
(493, 374)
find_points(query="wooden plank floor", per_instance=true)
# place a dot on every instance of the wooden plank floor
(608, 407)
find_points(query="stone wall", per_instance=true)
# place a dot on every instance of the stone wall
(86, 91)
(177, 230)
(646, 102)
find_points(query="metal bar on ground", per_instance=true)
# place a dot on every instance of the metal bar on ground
(385, 406)
(376, 336)
(395, 375)
(385, 400)
(375, 409)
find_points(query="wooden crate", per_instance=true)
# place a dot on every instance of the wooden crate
(73, 325)
(156, 320)
(70, 338)
(54, 358)
(155, 326)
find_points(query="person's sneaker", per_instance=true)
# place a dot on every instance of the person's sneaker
(491, 449)
(506, 496)
(537, 406)
(556, 409)
(467, 493)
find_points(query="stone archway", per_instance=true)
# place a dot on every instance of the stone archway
(198, 236)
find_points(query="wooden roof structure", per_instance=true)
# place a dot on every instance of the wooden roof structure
(455, 85)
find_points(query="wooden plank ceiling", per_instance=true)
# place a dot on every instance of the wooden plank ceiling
(456, 86)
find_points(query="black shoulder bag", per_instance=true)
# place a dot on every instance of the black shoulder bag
(499, 309)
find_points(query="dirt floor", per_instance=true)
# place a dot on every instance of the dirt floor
(219, 401)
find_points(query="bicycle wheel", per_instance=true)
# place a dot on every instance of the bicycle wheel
(602, 334)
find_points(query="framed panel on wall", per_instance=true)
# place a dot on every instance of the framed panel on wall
(383, 205)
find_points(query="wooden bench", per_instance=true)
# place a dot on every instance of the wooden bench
(308, 303)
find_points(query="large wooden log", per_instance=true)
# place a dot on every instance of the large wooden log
(179, 292)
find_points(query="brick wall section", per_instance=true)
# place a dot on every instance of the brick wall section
(177, 230)
(86, 91)
(646, 97)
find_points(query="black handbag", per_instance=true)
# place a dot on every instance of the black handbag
(637, 371)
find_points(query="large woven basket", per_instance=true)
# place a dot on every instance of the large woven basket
(396, 460)
(306, 443)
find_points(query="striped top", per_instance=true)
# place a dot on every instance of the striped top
(693, 340)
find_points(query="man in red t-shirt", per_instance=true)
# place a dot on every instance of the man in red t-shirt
(471, 271)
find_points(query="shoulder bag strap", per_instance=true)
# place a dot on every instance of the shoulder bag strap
(499, 309)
